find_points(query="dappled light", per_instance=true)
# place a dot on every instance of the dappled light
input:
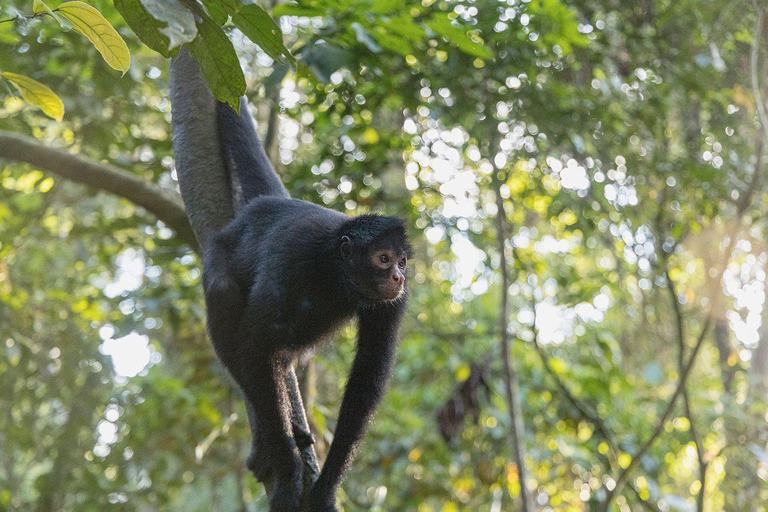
(584, 187)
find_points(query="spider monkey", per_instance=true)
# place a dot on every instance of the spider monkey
(280, 278)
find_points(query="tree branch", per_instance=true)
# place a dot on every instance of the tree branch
(753, 62)
(660, 426)
(511, 385)
(586, 412)
(164, 205)
(679, 324)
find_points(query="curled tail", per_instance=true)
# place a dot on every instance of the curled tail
(244, 154)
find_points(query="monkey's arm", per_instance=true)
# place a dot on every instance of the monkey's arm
(377, 341)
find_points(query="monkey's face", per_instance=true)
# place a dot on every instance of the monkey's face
(389, 272)
(378, 272)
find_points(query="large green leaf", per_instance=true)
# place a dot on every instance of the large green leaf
(296, 10)
(260, 28)
(146, 27)
(218, 61)
(181, 27)
(256, 24)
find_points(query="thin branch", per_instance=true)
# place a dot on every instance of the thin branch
(23, 17)
(165, 205)
(757, 172)
(753, 64)
(273, 125)
(762, 135)
(686, 398)
(585, 411)
(664, 417)
(516, 424)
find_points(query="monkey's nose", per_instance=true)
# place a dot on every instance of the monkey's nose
(398, 279)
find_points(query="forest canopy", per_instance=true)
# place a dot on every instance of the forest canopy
(583, 183)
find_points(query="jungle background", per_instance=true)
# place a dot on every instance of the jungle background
(584, 184)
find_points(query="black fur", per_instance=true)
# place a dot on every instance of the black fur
(281, 277)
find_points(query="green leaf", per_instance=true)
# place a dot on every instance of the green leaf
(89, 22)
(145, 26)
(218, 61)
(181, 27)
(458, 37)
(229, 6)
(394, 43)
(260, 28)
(405, 26)
(296, 10)
(40, 6)
(37, 94)
(217, 12)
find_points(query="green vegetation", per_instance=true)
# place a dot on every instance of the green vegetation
(598, 164)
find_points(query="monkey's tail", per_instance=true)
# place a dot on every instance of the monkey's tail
(251, 171)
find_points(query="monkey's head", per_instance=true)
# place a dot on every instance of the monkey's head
(375, 250)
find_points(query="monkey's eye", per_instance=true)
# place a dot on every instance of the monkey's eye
(402, 263)
(384, 258)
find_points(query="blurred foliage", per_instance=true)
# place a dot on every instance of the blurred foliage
(627, 136)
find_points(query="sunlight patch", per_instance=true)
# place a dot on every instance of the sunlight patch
(130, 354)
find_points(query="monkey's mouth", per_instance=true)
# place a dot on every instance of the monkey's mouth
(391, 292)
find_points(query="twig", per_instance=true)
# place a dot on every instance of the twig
(22, 16)
(517, 427)
(686, 398)
(660, 426)
(753, 63)
(586, 411)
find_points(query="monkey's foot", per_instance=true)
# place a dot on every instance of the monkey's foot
(303, 437)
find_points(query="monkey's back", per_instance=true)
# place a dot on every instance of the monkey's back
(285, 252)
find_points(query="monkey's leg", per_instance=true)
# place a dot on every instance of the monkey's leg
(264, 385)
(301, 436)
(253, 363)
(224, 299)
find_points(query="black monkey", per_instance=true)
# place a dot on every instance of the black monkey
(280, 278)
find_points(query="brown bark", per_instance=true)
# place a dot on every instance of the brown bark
(511, 384)
(163, 204)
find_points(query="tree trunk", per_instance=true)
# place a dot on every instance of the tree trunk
(511, 385)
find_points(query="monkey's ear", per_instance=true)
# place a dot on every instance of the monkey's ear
(346, 246)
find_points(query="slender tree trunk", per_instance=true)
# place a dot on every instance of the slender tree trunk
(511, 384)
(758, 371)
